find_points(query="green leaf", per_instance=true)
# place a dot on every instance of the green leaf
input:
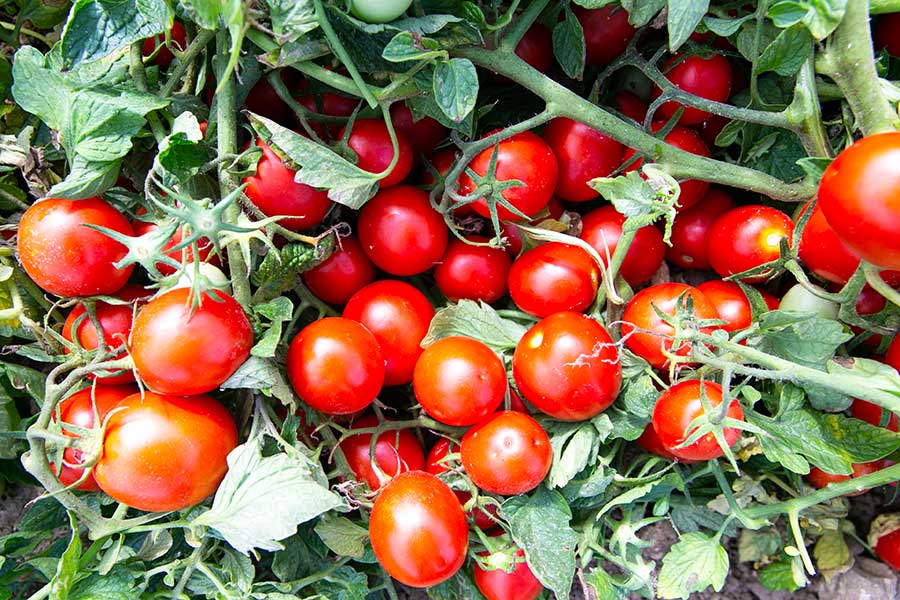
(641, 12)
(759, 545)
(292, 19)
(303, 555)
(832, 553)
(639, 396)
(636, 198)
(540, 526)
(603, 584)
(779, 576)
(67, 568)
(693, 564)
(459, 587)
(787, 53)
(455, 87)
(9, 421)
(820, 17)
(25, 379)
(345, 583)
(182, 153)
(263, 499)
(118, 584)
(476, 320)
(279, 269)
(811, 342)
(405, 47)
(569, 45)
(98, 28)
(260, 373)
(342, 536)
(725, 27)
(574, 445)
(688, 518)
(277, 311)
(684, 16)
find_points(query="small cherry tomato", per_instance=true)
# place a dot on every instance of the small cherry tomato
(513, 236)
(821, 479)
(371, 142)
(747, 237)
(473, 272)
(583, 153)
(342, 274)
(424, 134)
(396, 451)
(379, 11)
(730, 302)
(800, 299)
(606, 32)
(553, 277)
(691, 230)
(630, 106)
(533, 48)
(823, 252)
(518, 584)
(708, 78)
(678, 406)
(602, 228)
(263, 100)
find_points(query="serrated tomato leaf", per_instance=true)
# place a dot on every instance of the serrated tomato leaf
(693, 564)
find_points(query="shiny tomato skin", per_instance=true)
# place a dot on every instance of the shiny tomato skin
(342, 274)
(165, 57)
(424, 134)
(371, 142)
(459, 381)
(398, 315)
(747, 237)
(691, 229)
(395, 452)
(602, 228)
(335, 366)
(873, 414)
(401, 233)
(274, 192)
(436, 464)
(606, 33)
(508, 454)
(583, 153)
(681, 404)
(163, 453)
(708, 78)
(66, 258)
(418, 530)
(524, 157)
(887, 547)
(821, 479)
(553, 277)
(640, 317)
(730, 302)
(568, 367)
(823, 252)
(468, 272)
(859, 196)
(183, 352)
(497, 584)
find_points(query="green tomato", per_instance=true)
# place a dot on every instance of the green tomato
(800, 299)
(379, 11)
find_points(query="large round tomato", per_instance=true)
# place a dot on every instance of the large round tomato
(164, 453)
(518, 584)
(649, 336)
(418, 530)
(583, 153)
(459, 381)
(602, 228)
(553, 277)
(678, 406)
(436, 463)
(401, 233)
(473, 272)
(858, 195)
(747, 237)
(398, 315)
(371, 142)
(567, 366)
(395, 452)
(183, 349)
(708, 78)
(379, 11)
(508, 454)
(524, 157)
(606, 32)
(691, 229)
(64, 256)
(821, 479)
(424, 134)
(342, 274)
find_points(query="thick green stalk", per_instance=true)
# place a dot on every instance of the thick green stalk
(805, 112)
(186, 60)
(881, 7)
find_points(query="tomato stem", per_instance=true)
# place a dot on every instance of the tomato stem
(338, 48)
(186, 60)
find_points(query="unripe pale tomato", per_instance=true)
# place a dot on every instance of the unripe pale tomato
(379, 11)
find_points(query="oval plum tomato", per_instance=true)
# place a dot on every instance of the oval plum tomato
(678, 406)
(708, 78)
(691, 230)
(371, 142)
(747, 237)
(164, 57)
(858, 195)
(182, 256)
(873, 414)
(730, 302)
(568, 367)
(342, 274)
(473, 272)
(650, 337)
(436, 463)
(274, 192)
(524, 157)
(553, 277)
(821, 479)
(884, 34)
(400, 232)
(459, 381)
(823, 252)
(583, 153)
(418, 530)
(398, 315)
(64, 256)
(508, 454)
(163, 453)
(518, 584)
(78, 410)
(335, 366)
(184, 349)
(424, 134)
(602, 228)
(379, 11)
(630, 106)
(606, 33)
(395, 452)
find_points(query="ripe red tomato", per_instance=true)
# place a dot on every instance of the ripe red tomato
(730, 302)
(66, 258)
(513, 236)
(398, 315)
(646, 334)
(424, 134)
(401, 233)
(78, 410)
(691, 230)
(275, 193)
(395, 452)
(678, 406)
(459, 381)
(534, 48)
(708, 78)
(182, 256)
(418, 530)
(473, 272)
(497, 584)
(165, 453)
(747, 237)
(602, 228)
(568, 367)
(712, 127)
(330, 105)
(606, 33)
(436, 464)
(873, 414)
(263, 100)
(650, 442)
(823, 252)
(508, 454)
(524, 157)
(884, 538)
(183, 350)
(553, 277)
(441, 161)
(583, 153)
(884, 34)
(371, 142)
(342, 274)
(165, 57)
(821, 479)
(630, 106)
